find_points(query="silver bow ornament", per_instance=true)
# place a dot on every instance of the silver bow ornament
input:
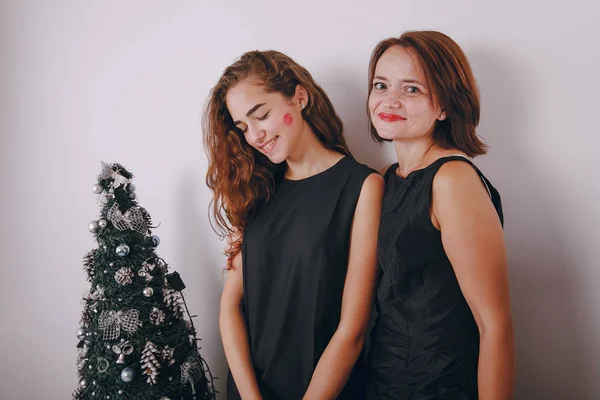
(112, 322)
(131, 219)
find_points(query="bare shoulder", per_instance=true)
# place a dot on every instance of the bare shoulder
(371, 195)
(456, 178)
(459, 197)
(373, 185)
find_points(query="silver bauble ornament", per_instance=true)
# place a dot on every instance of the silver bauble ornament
(102, 223)
(131, 187)
(97, 188)
(165, 398)
(93, 226)
(132, 195)
(122, 250)
(127, 374)
(82, 383)
(81, 333)
(148, 291)
(155, 240)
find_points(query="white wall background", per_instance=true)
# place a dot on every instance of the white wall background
(84, 81)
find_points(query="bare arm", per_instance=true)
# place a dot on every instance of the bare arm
(340, 355)
(474, 242)
(234, 333)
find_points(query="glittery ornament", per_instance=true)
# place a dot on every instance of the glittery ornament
(124, 276)
(112, 322)
(132, 219)
(157, 316)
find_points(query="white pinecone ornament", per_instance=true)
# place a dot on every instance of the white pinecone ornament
(173, 301)
(150, 363)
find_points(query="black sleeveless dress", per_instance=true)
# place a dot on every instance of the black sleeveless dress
(295, 256)
(425, 342)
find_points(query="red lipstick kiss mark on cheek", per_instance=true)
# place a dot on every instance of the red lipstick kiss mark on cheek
(288, 119)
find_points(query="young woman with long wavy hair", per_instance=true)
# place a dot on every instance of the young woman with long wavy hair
(302, 218)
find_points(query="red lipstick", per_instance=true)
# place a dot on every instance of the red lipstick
(391, 117)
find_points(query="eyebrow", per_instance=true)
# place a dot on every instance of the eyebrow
(250, 112)
(383, 78)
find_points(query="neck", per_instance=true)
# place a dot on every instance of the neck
(413, 155)
(310, 157)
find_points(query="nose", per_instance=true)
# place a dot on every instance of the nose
(255, 135)
(393, 100)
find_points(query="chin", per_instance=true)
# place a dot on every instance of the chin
(277, 161)
(276, 158)
(388, 134)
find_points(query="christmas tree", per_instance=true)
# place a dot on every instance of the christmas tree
(137, 339)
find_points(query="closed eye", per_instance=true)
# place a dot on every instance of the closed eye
(264, 116)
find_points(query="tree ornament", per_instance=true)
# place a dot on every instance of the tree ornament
(94, 227)
(149, 362)
(127, 374)
(122, 250)
(124, 276)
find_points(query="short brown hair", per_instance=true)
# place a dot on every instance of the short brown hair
(451, 83)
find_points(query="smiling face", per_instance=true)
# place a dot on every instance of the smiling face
(400, 104)
(270, 123)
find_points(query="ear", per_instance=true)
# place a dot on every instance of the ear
(441, 113)
(300, 97)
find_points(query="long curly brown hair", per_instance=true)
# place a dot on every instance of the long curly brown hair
(241, 178)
